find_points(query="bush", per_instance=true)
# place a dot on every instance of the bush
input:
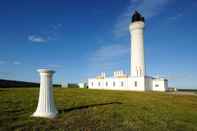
(71, 85)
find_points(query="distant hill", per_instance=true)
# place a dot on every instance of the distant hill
(188, 90)
(13, 83)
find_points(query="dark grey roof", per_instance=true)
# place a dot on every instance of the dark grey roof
(137, 17)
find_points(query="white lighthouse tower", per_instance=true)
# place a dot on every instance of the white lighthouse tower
(137, 45)
(138, 80)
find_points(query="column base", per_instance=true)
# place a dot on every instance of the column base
(45, 114)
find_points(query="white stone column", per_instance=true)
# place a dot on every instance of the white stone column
(46, 106)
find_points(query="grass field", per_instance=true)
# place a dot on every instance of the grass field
(90, 110)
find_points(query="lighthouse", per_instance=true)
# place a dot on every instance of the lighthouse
(138, 80)
(137, 45)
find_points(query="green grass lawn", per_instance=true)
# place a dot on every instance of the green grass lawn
(90, 110)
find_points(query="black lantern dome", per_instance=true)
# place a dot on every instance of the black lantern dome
(137, 17)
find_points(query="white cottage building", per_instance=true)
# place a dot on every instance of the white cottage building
(138, 80)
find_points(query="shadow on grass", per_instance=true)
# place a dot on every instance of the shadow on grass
(15, 111)
(88, 106)
(3, 89)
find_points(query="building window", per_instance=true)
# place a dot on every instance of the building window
(106, 83)
(122, 84)
(99, 84)
(135, 83)
(114, 84)
(92, 84)
(156, 85)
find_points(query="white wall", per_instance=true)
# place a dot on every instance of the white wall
(159, 85)
(81, 85)
(128, 83)
(117, 83)
(140, 83)
(148, 83)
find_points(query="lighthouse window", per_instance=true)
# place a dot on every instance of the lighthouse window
(122, 84)
(114, 84)
(135, 83)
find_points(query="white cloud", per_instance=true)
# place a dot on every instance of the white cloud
(109, 57)
(110, 52)
(133, 1)
(10, 62)
(57, 26)
(175, 17)
(37, 39)
(52, 32)
(2, 62)
(16, 63)
(50, 66)
(148, 8)
(55, 66)
(7, 75)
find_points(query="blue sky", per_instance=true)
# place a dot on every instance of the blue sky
(80, 39)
